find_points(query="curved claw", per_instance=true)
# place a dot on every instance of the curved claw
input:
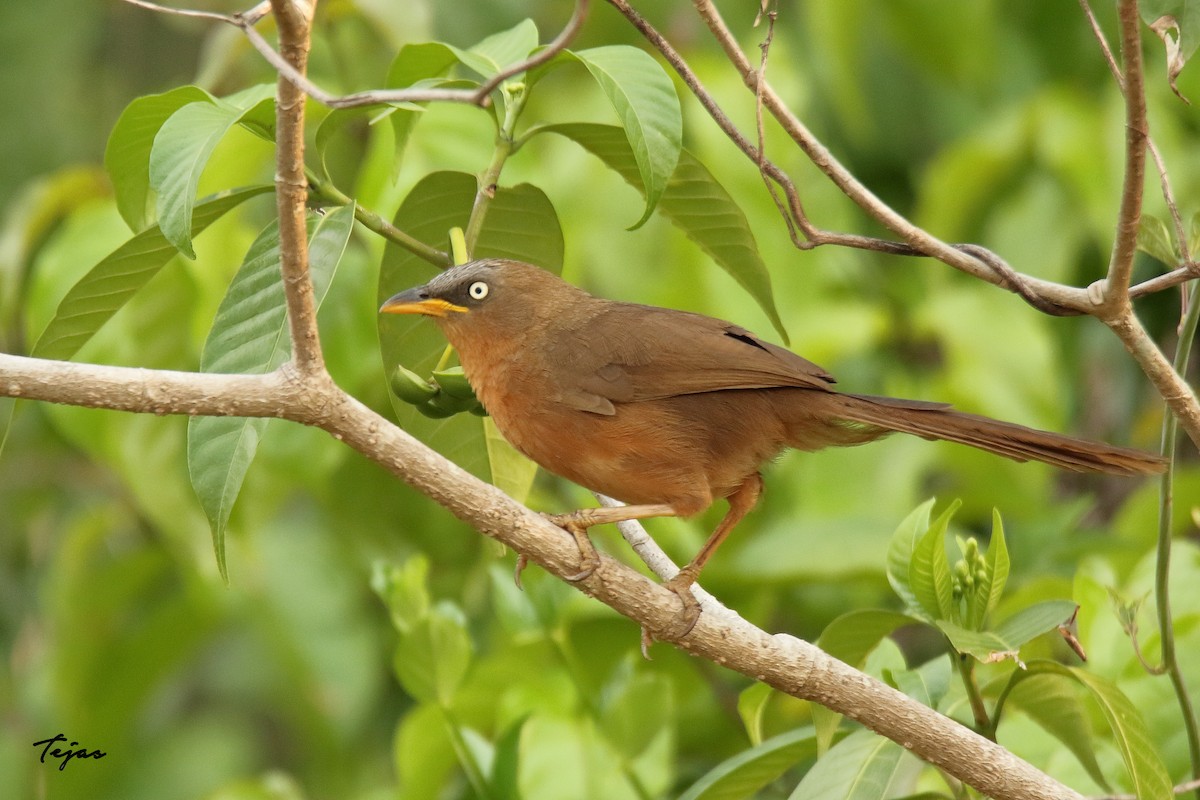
(689, 615)
(681, 585)
(522, 563)
(589, 559)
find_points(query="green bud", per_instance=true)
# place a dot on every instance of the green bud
(411, 387)
(453, 405)
(454, 383)
(434, 410)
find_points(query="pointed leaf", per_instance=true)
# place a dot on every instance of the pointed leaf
(1155, 239)
(900, 554)
(1006, 640)
(743, 775)
(127, 156)
(862, 766)
(180, 152)
(645, 101)
(696, 203)
(1035, 620)
(507, 762)
(996, 565)
(404, 590)
(108, 286)
(751, 704)
(413, 64)
(929, 570)
(1130, 734)
(928, 684)
(250, 336)
(431, 660)
(498, 51)
(1056, 706)
(521, 224)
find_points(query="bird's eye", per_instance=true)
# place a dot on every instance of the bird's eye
(478, 290)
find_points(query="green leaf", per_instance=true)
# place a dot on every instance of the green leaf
(432, 659)
(1130, 734)
(181, 150)
(100, 293)
(744, 774)
(751, 704)
(506, 763)
(900, 555)
(520, 224)
(928, 684)
(512, 473)
(250, 336)
(1155, 239)
(645, 101)
(929, 570)
(1035, 620)
(696, 203)
(127, 156)
(862, 766)
(1056, 706)
(414, 64)
(636, 708)
(30, 220)
(852, 636)
(493, 54)
(1006, 640)
(996, 565)
(404, 590)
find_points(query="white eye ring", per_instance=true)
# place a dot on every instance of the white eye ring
(478, 290)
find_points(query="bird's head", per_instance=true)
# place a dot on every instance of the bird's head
(489, 299)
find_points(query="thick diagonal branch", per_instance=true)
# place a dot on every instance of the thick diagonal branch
(786, 663)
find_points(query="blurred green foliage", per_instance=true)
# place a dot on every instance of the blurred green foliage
(368, 645)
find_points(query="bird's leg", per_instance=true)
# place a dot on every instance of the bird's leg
(577, 523)
(740, 503)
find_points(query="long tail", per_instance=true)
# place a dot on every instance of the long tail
(938, 421)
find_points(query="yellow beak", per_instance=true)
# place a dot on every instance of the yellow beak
(417, 301)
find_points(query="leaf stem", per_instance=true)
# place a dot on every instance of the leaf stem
(505, 147)
(325, 191)
(470, 766)
(1162, 570)
(966, 668)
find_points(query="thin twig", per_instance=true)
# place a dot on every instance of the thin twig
(991, 268)
(291, 189)
(478, 97)
(556, 46)
(325, 191)
(1176, 277)
(1164, 180)
(1162, 567)
(825, 161)
(656, 559)
(1115, 292)
(761, 161)
(1109, 58)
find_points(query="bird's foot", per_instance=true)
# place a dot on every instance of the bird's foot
(522, 563)
(589, 559)
(689, 615)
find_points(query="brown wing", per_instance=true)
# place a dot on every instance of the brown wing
(629, 353)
